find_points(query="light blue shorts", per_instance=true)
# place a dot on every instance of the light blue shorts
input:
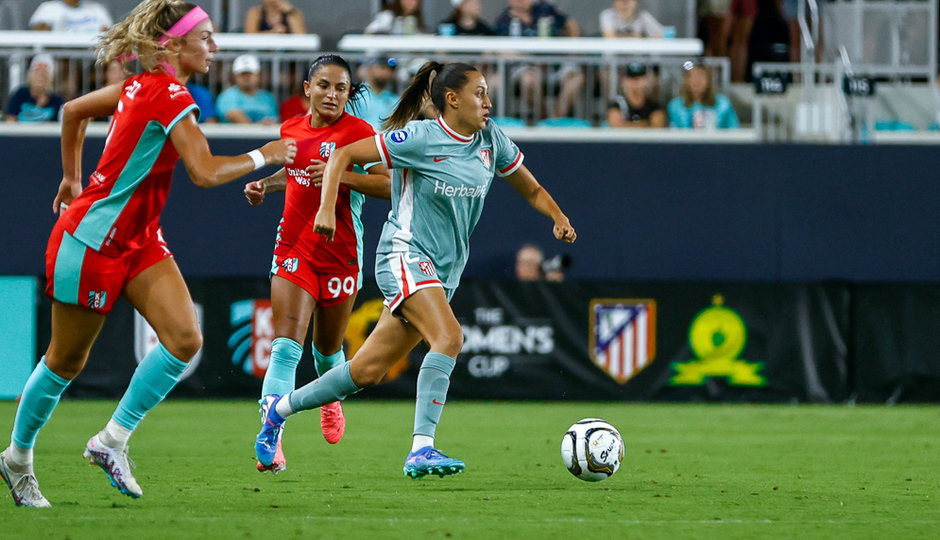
(402, 273)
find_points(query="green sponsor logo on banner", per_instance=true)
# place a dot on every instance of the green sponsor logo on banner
(717, 337)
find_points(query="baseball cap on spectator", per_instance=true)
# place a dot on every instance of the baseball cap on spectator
(43, 60)
(246, 63)
(692, 63)
(636, 70)
(382, 60)
(457, 3)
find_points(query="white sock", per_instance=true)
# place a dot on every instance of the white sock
(420, 441)
(20, 458)
(283, 407)
(114, 435)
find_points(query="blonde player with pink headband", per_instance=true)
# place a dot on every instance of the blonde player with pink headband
(107, 241)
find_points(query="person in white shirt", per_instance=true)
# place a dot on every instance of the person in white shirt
(75, 16)
(624, 20)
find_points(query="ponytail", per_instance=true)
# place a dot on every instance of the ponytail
(412, 99)
(138, 34)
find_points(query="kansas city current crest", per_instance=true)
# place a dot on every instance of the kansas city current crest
(326, 148)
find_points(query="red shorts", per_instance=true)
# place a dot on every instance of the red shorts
(327, 289)
(79, 275)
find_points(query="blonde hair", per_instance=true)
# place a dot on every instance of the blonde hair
(137, 35)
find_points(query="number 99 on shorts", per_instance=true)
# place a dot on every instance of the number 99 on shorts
(341, 286)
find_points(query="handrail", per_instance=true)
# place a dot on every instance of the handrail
(487, 44)
(35, 40)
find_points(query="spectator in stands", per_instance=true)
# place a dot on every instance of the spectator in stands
(770, 37)
(401, 17)
(298, 104)
(35, 101)
(635, 108)
(623, 20)
(204, 99)
(531, 265)
(715, 24)
(529, 261)
(246, 102)
(743, 13)
(465, 19)
(377, 100)
(529, 13)
(698, 106)
(77, 16)
(275, 17)
(115, 73)
(526, 18)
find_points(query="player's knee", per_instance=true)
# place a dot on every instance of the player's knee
(185, 344)
(367, 375)
(449, 341)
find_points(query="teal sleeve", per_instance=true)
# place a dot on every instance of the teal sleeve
(507, 153)
(408, 146)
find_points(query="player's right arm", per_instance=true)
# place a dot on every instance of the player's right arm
(255, 191)
(361, 151)
(76, 114)
(207, 170)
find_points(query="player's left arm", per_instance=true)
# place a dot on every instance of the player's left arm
(523, 181)
(76, 114)
(376, 182)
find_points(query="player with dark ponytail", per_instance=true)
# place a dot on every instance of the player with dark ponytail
(442, 170)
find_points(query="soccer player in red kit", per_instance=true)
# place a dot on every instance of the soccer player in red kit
(310, 276)
(107, 241)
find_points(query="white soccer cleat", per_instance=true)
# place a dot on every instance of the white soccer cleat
(115, 464)
(23, 485)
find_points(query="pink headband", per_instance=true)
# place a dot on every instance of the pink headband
(184, 25)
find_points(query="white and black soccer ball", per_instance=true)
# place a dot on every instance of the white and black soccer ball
(592, 450)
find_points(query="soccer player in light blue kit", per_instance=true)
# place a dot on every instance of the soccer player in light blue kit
(442, 172)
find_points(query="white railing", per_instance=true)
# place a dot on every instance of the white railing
(285, 59)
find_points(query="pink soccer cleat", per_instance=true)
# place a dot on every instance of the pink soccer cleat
(332, 422)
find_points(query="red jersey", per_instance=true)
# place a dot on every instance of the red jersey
(295, 233)
(120, 208)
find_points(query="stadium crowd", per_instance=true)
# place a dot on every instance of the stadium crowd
(743, 30)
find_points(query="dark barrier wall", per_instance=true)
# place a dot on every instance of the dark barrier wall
(542, 341)
(643, 212)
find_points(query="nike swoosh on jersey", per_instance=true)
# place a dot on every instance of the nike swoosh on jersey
(440, 159)
(436, 402)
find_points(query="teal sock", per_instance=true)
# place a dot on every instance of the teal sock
(153, 379)
(325, 363)
(433, 382)
(40, 396)
(280, 377)
(334, 385)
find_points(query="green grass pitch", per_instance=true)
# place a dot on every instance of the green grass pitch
(690, 471)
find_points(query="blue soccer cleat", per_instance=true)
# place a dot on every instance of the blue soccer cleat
(266, 444)
(428, 460)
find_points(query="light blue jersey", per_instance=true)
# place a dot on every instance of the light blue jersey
(439, 181)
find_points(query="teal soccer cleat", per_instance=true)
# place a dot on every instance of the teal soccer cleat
(428, 460)
(266, 444)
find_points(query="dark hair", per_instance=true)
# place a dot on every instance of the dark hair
(451, 76)
(396, 8)
(355, 89)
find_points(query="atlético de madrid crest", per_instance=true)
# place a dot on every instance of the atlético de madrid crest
(485, 156)
(326, 148)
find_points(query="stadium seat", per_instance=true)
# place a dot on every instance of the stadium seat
(564, 122)
(508, 121)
